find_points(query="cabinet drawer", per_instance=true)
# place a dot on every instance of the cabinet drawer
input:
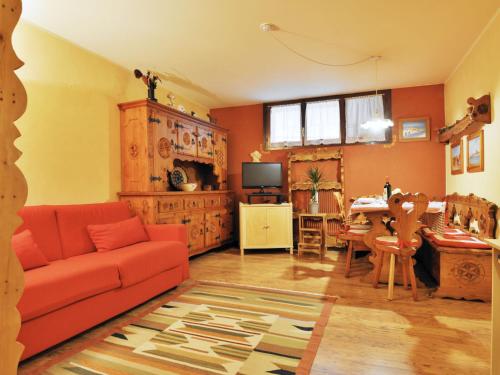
(212, 201)
(171, 218)
(193, 202)
(227, 201)
(170, 204)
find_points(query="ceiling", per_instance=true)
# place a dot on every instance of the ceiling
(217, 44)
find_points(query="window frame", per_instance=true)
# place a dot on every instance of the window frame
(386, 98)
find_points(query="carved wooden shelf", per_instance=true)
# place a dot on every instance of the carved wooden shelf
(331, 189)
(316, 155)
(323, 185)
(478, 114)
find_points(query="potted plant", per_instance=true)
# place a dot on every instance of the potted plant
(314, 176)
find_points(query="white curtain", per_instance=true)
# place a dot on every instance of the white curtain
(358, 110)
(285, 126)
(322, 122)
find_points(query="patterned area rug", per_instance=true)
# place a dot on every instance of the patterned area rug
(212, 329)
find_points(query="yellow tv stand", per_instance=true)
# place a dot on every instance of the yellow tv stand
(266, 226)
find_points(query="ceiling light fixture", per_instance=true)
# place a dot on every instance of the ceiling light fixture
(377, 121)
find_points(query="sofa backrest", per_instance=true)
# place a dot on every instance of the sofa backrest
(73, 220)
(41, 221)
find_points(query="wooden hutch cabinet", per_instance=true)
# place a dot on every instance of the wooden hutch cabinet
(154, 140)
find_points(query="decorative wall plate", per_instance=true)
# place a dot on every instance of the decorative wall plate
(178, 177)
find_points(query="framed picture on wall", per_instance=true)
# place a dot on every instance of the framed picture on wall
(414, 129)
(457, 157)
(475, 152)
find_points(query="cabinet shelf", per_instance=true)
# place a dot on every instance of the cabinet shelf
(478, 114)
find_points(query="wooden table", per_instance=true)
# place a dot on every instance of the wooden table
(377, 212)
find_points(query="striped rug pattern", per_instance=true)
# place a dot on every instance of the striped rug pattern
(212, 329)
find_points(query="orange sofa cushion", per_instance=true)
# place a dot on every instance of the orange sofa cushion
(116, 235)
(27, 251)
(63, 282)
(143, 260)
(73, 221)
(41, 221)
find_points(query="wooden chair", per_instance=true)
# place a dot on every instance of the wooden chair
(405, 243)
(353, 234)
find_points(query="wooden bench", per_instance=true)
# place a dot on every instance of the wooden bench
(464, 273)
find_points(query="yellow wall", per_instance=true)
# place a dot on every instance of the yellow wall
(70, 131)
(478, 74)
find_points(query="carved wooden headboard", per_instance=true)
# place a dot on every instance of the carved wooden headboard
(473, 214)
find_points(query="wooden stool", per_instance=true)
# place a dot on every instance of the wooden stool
(405, 243)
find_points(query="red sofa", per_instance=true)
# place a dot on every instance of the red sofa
(81, 287)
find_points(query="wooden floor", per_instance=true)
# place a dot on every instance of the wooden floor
(366, 334)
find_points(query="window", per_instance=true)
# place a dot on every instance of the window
(333, 120)
(358, 111)
(285, 126)
(322, 123)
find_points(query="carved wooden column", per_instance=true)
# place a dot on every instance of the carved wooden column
(13, 189)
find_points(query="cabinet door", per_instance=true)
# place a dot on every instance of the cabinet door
(212, 228)
(205, 143)
(279, 227)
(186, 139)
(171, 133)
(196, 231)
(220, 158)
(256, 227)
(162, 148)
(226, 226)
(137, 165)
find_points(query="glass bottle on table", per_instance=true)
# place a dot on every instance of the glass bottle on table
(387, 189)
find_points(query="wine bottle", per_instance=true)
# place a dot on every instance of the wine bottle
(387, 189)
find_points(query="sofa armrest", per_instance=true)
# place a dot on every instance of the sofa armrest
(167, 232)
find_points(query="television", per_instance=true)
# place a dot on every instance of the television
(261, 175)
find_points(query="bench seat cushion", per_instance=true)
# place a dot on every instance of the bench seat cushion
(393, 241)
(461, 242)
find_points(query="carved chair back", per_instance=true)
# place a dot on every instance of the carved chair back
(472, 214)
(406, 221)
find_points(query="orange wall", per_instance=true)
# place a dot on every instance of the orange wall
(412, 166)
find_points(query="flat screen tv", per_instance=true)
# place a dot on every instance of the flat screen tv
(261, 175)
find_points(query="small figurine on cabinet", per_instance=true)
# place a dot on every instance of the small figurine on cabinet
(171, 98)
(212, 119)
(149, 80)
